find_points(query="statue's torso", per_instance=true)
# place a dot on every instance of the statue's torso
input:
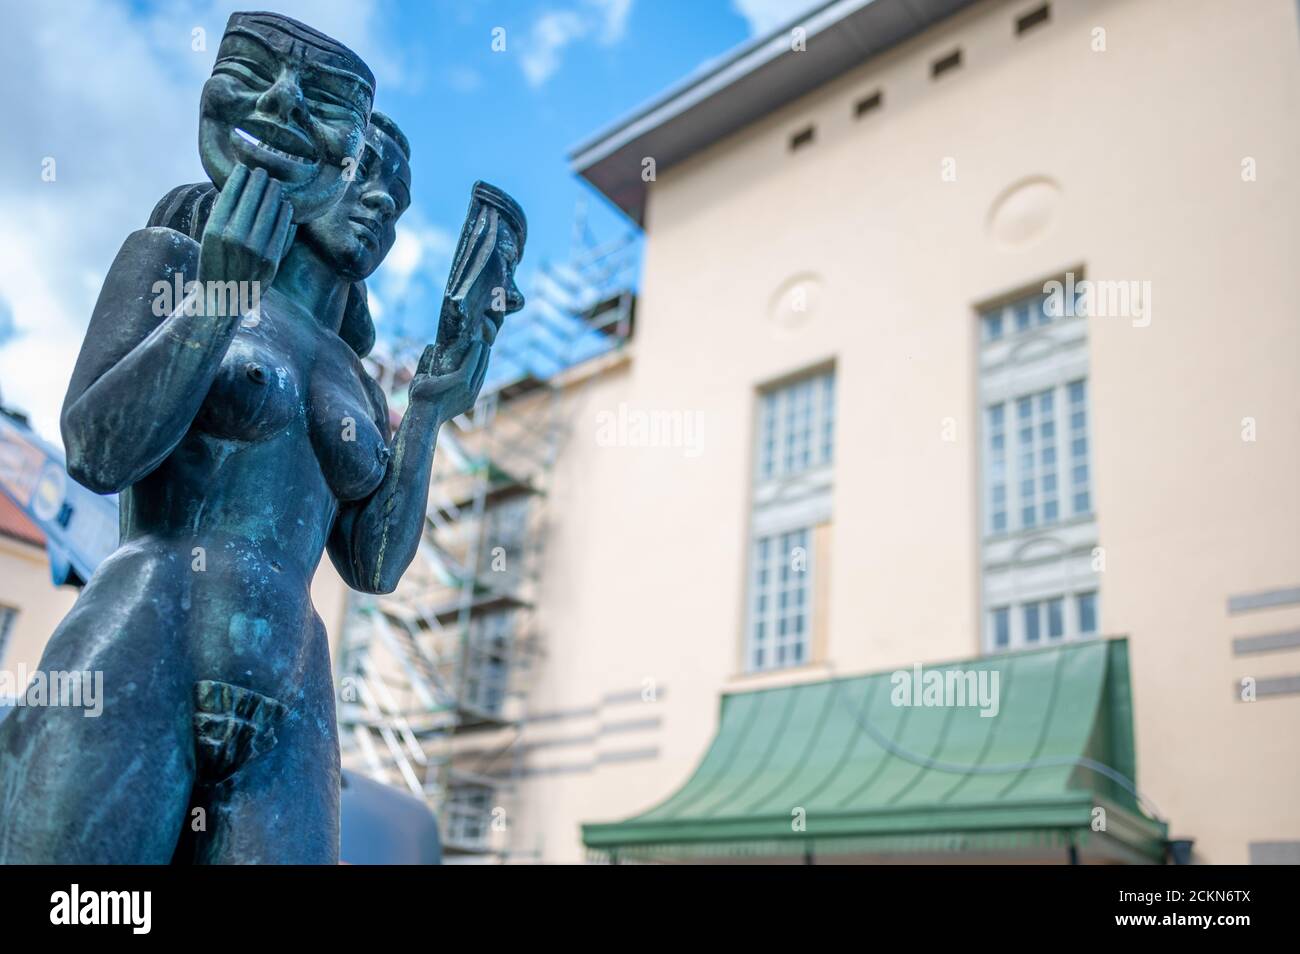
(237, 516)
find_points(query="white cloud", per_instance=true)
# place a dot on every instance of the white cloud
(614, 14)
(764, 16)
(112, 96)
(551, 33)
(605, 21)
(406, 293)
(464, 79)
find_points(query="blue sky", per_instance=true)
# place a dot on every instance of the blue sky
(109, 89)
(512, 117)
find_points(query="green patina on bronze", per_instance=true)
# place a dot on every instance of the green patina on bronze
(244, 446)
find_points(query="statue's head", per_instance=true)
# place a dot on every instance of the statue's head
(356, 233)
(289, 99)
(482, 285)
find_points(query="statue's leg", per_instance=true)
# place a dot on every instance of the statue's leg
(106, 781)
(280, 804)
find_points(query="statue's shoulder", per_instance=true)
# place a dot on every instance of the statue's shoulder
(168, 243)
(156, 253)
(185, 208)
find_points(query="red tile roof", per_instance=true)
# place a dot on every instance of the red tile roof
(14, 523)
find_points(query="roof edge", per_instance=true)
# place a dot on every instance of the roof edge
(753, 80)
(706, 73)
(1074, 645)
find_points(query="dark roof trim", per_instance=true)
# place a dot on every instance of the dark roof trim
(750, 82)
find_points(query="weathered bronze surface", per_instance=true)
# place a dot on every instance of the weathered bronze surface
(244, 444)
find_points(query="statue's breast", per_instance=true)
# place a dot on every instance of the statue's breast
(256, 393)
(342, 419)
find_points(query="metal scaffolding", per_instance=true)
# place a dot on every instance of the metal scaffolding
(434, 677)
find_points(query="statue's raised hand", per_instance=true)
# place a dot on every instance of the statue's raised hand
(248, 232)
(449, 392)
(481, 292)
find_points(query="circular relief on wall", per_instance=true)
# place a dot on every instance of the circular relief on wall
(795, 301)
(1024, 212)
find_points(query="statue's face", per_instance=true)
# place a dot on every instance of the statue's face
(289, 106)
(494, 293)
(356, 234)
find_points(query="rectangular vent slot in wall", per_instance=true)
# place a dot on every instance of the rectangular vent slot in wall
(867, 104)
(802, 138)
(949, 62)
(1033, 18)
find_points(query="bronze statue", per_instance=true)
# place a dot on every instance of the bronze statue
(243, 446)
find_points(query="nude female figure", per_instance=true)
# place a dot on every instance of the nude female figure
(243, 446)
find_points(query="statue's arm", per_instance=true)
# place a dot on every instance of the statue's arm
(374, 540)
(144, 370)
(140, 377)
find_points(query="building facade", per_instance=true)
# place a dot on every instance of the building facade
(989, 320)
(30, 605)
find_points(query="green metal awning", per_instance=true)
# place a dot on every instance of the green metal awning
(846, 766)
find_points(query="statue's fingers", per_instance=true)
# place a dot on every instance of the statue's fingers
(427, 358)
(241, 219)
(283, 232)
(228, 198)
(480, 373)
(460, 379)
(473, 357)
(267, 217)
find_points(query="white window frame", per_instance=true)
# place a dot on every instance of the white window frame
(811, 397)
(770, 602)
(1051, 559)
(1018, 635)
(791, 495)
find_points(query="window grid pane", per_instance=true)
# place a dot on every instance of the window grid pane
(1025, 445)
(1056, 618)
(1087, 613)
(828, 419)
(796, 428)
(1070, 616)
(767, 436)
(997, 468)
(1002, 627)
(780, 624)
(1015, 317)
(1035, 471)
(1079, 447)
(992, 322)
(1047, 457)
(1031, 614)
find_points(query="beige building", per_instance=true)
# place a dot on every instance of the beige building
(848, 349)
(30, 605)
